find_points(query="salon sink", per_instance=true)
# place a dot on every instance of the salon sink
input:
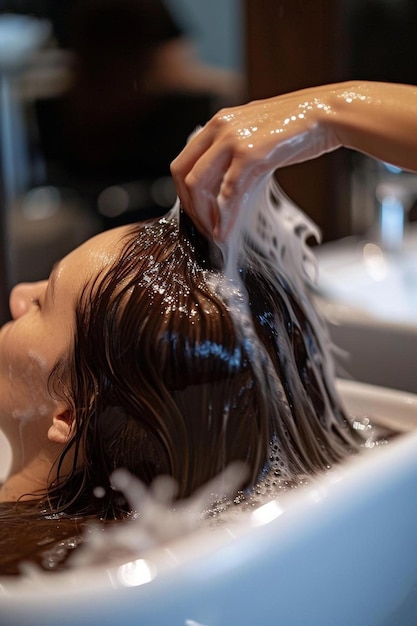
(383, 284)
(370, 300)
(338, 551)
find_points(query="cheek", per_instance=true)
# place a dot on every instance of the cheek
(24, 392)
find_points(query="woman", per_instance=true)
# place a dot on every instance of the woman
(132, 354)
(240, 145)
(129, 356)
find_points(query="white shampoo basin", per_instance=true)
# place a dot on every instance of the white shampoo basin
(370, 300)
(341, 551)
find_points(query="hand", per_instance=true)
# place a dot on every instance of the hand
(216, 171)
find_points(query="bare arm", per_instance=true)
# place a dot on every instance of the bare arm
(238, 146)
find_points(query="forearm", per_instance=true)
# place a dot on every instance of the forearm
(379, 119)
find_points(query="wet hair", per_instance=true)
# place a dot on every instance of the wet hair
(162, 380)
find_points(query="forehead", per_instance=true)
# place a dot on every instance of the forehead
(85, 262)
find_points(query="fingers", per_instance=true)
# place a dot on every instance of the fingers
(205, 180)
(212, 187)
(219, 164)
(198, 173)
(234, 199)
(183, 164)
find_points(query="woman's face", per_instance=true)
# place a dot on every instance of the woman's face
(42, 330)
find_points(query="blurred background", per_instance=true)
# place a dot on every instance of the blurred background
(98, 96)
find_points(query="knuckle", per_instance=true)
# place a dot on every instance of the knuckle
(175, 168)
(229, 187)
(222, 119)
(192, 182)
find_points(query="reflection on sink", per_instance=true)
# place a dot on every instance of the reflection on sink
(370, 299)
(362, 275)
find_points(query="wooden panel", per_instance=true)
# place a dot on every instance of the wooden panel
(292, 44)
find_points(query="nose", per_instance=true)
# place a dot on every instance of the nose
(22, 296)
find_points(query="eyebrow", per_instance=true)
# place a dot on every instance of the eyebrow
(52, 278)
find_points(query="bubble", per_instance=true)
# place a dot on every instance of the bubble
(99, 492)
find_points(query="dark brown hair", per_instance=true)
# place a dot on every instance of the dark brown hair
(161, 382)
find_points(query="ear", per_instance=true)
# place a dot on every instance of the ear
(63, 426)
